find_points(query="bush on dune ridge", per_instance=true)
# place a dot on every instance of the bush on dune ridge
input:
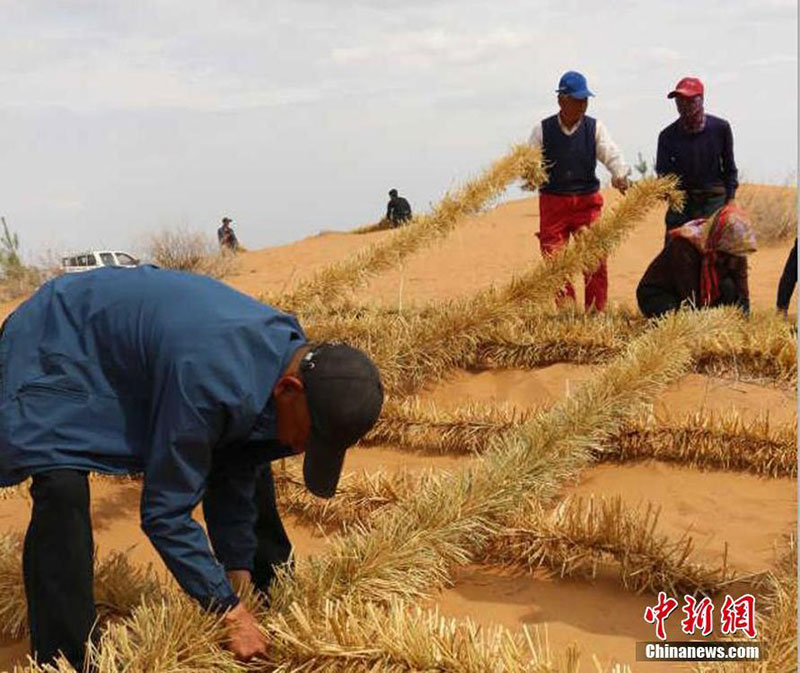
(185, 250)
(772, 211)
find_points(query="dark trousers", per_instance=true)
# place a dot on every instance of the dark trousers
(788, 280)
(57, 565)
(273, 547)
(655, 302)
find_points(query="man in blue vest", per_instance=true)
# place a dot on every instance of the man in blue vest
(572, 143)
(197, 387)
(698, 148)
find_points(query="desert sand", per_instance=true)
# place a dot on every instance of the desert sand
(748, 514)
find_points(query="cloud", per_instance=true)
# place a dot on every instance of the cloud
(658, 55)
(769, 9)
(168, 91)
(773, 59)
(434, 46)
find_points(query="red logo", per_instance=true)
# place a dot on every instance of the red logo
(739, 615)
(735, 614)
(699, 615)
(657, 614)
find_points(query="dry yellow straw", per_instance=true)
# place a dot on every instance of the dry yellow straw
(329, 284)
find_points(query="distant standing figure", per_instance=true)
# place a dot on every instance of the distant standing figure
(226, 236)
(570, 200)
(704, 263)
(398, 210)
(698, 148)
(788, 281)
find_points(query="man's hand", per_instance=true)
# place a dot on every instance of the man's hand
(240, 580)
(245, 639)
(620, 183)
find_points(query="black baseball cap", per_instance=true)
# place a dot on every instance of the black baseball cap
(345, 396)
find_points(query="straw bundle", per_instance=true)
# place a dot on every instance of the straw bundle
(171, 634)
(412, 425)
(118, 586)
(581, 536)
(449, 339)
(13, 608)
(765, 346)
(410, 548)
(701, 439)
(776, 623)
(357, 496)
(576, 538)
(346, 637)
(353, 636)
(761, 347)
(327, 285)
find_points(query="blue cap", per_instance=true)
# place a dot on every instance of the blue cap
(573, 84)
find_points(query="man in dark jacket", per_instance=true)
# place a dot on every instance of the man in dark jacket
(194, 385)
(227, 236)
(398, 210)
(698, 148)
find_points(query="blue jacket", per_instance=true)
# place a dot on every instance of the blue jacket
(153, 371)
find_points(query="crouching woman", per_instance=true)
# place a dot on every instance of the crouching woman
(704, 263)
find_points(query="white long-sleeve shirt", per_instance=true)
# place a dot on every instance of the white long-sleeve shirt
(608, 152)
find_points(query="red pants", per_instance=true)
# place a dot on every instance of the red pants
(560, 216)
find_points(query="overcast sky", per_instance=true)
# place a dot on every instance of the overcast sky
(122, 118)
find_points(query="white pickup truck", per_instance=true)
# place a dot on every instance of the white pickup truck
(94, 259)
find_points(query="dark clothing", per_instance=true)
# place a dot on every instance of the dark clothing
(572, 159)
(273, 548)
(398, 210)
(153, 371)
(673, 277)
(699, 204)
(57, 566)
(58, 559)
(704, 163)
(227, 238)
(262, 541)
(788, 280)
